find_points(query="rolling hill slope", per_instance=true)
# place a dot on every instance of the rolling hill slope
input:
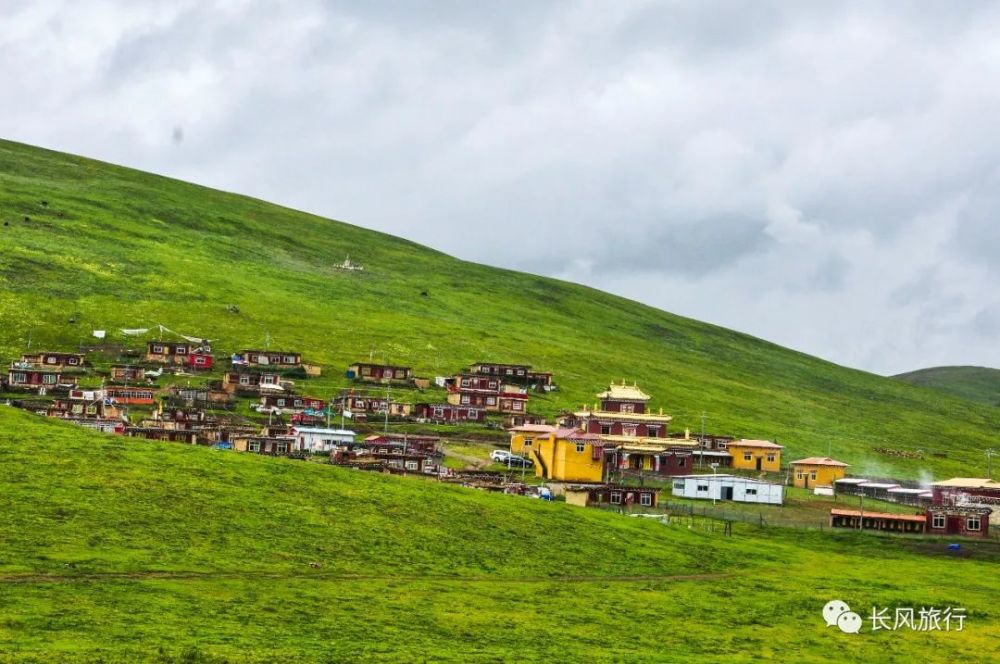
(123, 550)
(980, 384)
(85, 245)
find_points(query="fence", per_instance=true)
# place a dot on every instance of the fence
(714, 517)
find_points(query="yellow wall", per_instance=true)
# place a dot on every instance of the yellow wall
(557, 458)
(825, 475)
(739, 461)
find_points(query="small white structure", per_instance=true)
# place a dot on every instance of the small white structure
(728, 487)
(348, 265)
(311, 439)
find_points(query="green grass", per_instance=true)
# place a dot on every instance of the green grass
(124, 550)
(980, 384)
(118, 248)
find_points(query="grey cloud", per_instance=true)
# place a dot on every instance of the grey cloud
(819, 174)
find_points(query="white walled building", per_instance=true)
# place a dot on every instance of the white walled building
(728, 487)
(310, 439)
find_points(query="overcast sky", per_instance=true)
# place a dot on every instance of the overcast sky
(826, 177)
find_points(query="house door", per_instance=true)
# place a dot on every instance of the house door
(759, 460)
(727, 493)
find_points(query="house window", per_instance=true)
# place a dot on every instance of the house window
(653, 431)
(473, 413)
(581, 447)
(282, 448)
(158, 350)
(937, 521)
(20, 378)
(74, 360)
(253, 446)
(628, 407)
(520, 372)
(721, 445)
(50, 359)
(181, 350)
(770, 458)
(702, 487)
(681, 462)
(493, 384)
(508, 372)
(280, 402)
(412, 465)
(199, 360)
(972, 523)
(528, 442)
(518, 405)
(616, 497)
(646, 499)
(606, 429)
(491, 401)
(298, 403)
(49, 379)
(679, 486)
(798, 475)
(244, 379)
(812, 475)
(366, 371)
(439, 412)
(747, 456)
(465, 398)
(268, 380)
(289, 359)
(628, 431)
(751, 492)
(465, 382)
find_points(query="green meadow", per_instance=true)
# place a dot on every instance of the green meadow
(85, 245)
(980, 384)
(124, 550)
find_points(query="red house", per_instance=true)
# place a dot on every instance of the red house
(268, 358)
(251, 382)
(33, 378)
(446, 412)
(385, 443)
(290, 402)
(487, 392)
(379, 373)
(127, 373)
(200, 359)
(172, 435)
(168, 352)
(964, 521)
(53, 359)
(139, 396)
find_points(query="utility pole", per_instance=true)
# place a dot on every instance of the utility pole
(701, 443)
(386, 429)
(989, 463)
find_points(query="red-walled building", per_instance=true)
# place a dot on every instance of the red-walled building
(446, 412)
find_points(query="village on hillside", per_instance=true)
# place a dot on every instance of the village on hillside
(617, 452)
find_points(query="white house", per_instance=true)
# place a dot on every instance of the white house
(728, 487)
(311, 439)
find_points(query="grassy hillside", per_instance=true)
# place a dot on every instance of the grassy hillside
(118, 549)
(980, 384)
(85, 245)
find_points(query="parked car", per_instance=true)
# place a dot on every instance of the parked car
(514, 461)
(500, 456)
